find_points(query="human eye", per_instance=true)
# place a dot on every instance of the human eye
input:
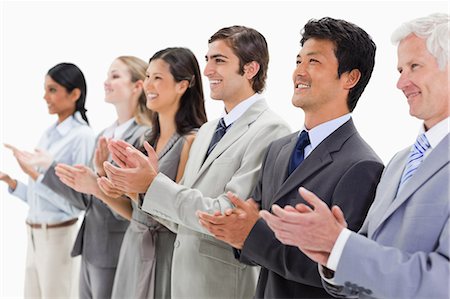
(313, 61)
(115, 76)
(52, 89)
(414, 66)
(298, 61)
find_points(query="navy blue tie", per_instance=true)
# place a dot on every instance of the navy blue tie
(298, 154)
(221, 129)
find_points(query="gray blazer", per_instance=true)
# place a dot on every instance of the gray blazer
(343, 170)
(204, 267)
(402, 250)
(101, 233)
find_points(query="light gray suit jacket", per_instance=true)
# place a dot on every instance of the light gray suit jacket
(406, 251)
(204, 267)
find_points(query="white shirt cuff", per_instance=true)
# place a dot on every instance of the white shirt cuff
(336, 252)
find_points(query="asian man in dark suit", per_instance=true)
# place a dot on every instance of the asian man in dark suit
(403, 247)
(327, 155)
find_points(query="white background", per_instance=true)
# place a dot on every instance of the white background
(37, 35)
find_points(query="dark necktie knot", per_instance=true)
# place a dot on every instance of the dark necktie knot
(298, 153)
(221, 129)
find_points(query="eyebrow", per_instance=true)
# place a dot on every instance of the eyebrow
(311, 54)
(216, 56)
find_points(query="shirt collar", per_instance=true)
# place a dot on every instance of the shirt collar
(121, 129)
(322, 131)
(436, 133)
(240, 109)
(64, 127)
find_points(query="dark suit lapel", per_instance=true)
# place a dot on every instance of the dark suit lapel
(437, 159)
(320, 157)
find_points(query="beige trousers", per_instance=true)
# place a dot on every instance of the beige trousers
(50, 270)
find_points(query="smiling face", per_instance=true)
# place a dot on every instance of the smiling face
(59, 101)
(222, 70)
(422, 82)
(162, 91)
(118, 86)
(316, 81)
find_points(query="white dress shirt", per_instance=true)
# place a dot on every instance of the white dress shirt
(71, 142)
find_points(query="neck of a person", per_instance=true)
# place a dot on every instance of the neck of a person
(231, 103)
(125, 111)
(322, 115)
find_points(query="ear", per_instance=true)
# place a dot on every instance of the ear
(251, 69)
(182, 86)
(351, 79)
(138, 85)
(75, 94)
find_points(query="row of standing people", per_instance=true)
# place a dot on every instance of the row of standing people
(242, 155)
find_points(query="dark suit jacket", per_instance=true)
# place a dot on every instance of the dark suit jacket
(100, 236)
(342, 170)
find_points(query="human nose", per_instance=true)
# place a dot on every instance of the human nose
(403, 81)
(209, 70)
(45, 97)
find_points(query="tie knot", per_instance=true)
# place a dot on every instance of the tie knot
(421, 145)
(303, 140)
(222, 123)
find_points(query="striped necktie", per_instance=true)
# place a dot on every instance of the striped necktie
(415, 158)
(221, 129)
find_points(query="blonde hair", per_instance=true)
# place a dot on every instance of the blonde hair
(137, 68)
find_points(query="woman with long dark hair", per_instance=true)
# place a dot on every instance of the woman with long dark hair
(50, 271)
(102, 231)
(175, 95)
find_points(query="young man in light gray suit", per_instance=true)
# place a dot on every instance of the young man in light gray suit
(328, 81)
(402, 250)
(204, 267)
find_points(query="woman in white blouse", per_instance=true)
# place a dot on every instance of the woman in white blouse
(50, 271)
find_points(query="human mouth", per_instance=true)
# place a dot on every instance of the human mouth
(411, 95)
(151, 96)
(301, 86)
(214, 82)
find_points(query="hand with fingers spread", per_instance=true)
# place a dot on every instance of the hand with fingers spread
(136, 171)
(78, 177)
(234, 225)
(24, 158)
(101, 155)
(314, 231)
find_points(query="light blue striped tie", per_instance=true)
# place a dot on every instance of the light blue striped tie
(415, 158)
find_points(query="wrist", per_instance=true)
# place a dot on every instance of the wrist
(12, 184)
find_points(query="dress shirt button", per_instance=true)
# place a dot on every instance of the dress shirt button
(176, 244)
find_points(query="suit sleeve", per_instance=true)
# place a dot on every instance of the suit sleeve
(81, 153)
(52, 181)
(420, 274)
(360, 181)
(178, 203)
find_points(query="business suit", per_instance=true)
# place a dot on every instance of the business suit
(343, 170)
(404, 241)
(100, 236)
(204, 267)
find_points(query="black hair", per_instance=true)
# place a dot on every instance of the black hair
(191, 112)
(354, 49)
(70, 77)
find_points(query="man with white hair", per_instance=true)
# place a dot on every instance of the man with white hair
(402, 249)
